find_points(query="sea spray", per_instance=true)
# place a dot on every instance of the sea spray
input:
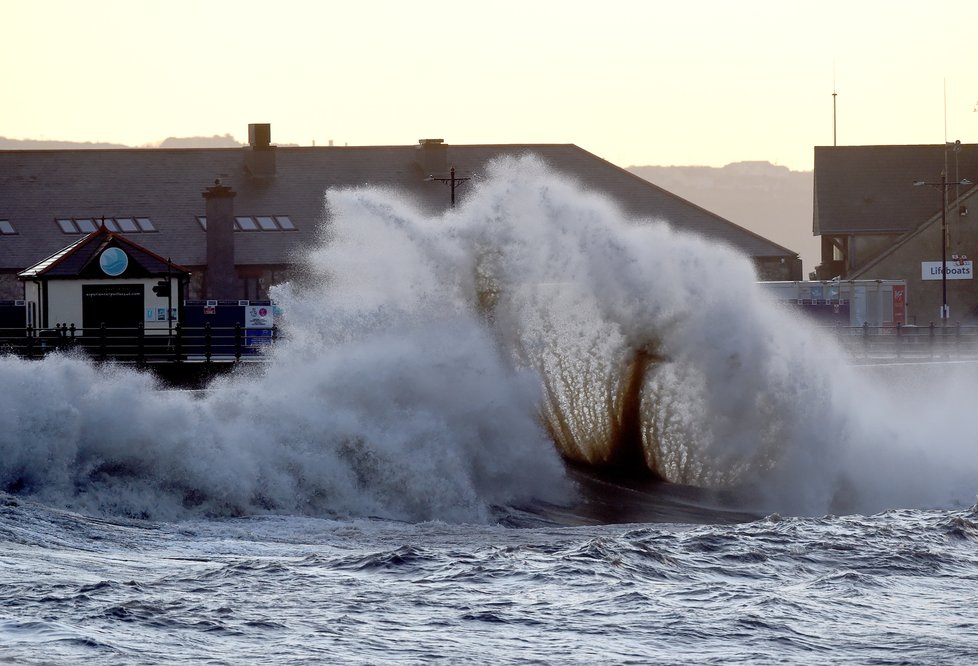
(739, 393)
(436, 366)
(413, 425)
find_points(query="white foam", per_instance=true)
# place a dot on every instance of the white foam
(409, 382)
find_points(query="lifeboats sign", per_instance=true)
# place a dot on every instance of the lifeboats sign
(931, 270)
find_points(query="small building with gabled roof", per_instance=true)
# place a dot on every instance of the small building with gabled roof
(104, 279)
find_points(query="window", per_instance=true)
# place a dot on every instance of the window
(256, 223)
(6, 229)
(246, 223)
(86, 225)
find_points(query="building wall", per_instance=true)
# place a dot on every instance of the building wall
(11, 288)
(65, 300)
(253, 282)
(777, 269)
(865, 247)
(31, 293)
(924, 297)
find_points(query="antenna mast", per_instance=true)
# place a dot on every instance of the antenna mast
(833, 117)
(833, 106)
(945, 115)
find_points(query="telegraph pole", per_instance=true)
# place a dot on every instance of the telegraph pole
(452, 181)
(942, 186)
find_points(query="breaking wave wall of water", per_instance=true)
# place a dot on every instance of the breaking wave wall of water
(435, 367)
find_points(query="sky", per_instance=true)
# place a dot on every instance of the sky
(635, 82)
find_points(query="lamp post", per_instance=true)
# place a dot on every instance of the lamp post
(942, 186)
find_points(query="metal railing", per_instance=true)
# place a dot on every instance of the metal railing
(908, 343)
(228, 344)
(142, 346)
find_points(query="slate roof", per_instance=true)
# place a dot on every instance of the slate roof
(165, 185)
(78, 257)
(869, 189)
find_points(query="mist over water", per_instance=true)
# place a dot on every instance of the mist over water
(437, 367)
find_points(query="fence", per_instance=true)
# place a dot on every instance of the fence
(228, 344)
(136, 345)
(907, 343)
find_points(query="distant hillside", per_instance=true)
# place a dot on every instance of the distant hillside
(769, 200)
(226, 141)
(34, 144)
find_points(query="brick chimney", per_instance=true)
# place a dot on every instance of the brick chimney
(222, 279)
(260, 154)
(433, 156)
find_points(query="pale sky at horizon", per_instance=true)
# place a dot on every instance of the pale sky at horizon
(705, 83)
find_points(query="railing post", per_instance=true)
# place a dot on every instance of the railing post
(30, 342)
(207, 342)
(140, 343)
(178, 341)
(237, 341)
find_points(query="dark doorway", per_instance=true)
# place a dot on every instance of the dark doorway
(118, 306)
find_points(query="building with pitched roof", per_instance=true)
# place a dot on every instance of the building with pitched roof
(874, 224)
(103, 279)
(263, 203)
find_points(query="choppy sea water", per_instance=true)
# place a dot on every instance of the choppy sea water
(896, 587)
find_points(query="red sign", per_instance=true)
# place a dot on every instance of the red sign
(899, 304)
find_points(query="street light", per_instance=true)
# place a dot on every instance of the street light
(942, 186)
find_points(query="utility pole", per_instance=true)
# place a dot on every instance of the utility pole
(942, 186)
(452, 182)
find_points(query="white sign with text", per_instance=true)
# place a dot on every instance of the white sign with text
(931, 270)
